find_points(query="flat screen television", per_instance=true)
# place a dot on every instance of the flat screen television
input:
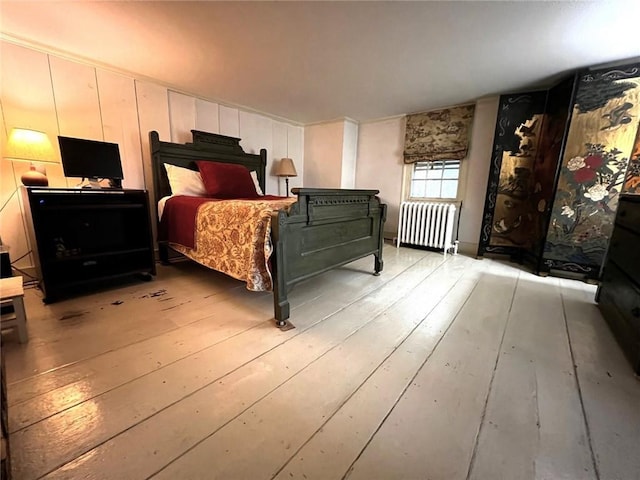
(91, 159)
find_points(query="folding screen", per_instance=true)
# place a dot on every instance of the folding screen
(509, 215)
(558, 166)
(599, 143)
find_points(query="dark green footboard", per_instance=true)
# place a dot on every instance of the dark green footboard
(324, 229)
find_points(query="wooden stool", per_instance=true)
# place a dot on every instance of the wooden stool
(11, 291)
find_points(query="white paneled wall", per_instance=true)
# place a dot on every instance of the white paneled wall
(27, 101)
(120, 124)
(75, 91)
(255, 131)
(295, 150)
(153, 114)
(229, 121)
(207, 116)
(182, 116)
(61, 97)
(279, 149)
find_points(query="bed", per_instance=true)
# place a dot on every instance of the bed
(316, 231)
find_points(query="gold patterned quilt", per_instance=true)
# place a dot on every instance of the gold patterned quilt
(234, 237)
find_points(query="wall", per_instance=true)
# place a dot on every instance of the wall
(330, 153)
(59, 96)
(62, 97)
(349, 154)
(477, 173)
(380, 166)
(323, 148)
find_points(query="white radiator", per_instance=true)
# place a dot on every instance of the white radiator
(427, 224)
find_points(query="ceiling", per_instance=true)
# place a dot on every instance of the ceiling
(316, 61)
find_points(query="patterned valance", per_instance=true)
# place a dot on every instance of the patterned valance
(438, 135)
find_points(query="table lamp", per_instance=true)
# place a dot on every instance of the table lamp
(286, 169)
(30, 146)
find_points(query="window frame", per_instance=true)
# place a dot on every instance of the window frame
(408, 177)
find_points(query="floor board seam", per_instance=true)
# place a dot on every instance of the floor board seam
(493, 375)
(146, 339)
(579, 388)
(339, 343)
(90, 357)
(418, 324)
(376, 419)
(298, 332)
(411, 380)
(130, 381)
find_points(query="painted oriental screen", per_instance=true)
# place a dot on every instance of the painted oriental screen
(509, 220)
(556, 206)
(600, 141)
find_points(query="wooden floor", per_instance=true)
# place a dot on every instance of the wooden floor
(438, 369)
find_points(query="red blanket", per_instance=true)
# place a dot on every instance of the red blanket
(178, 223)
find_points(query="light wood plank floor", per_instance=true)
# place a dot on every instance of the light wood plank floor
(440, 368)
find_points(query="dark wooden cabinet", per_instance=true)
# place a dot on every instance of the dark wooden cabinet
(81, 237)
(618, 295)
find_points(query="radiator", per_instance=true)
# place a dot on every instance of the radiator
(427, 224)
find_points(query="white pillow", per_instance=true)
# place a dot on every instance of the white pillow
(161, 203)
(184, 181)
(254, 177)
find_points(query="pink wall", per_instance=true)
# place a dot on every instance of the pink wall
(380, 166)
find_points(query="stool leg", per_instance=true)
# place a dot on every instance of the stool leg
(21, 319)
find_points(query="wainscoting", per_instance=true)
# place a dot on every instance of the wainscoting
(441, 368)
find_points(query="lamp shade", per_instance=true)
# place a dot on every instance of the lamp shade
(286, 168)
(29, 146)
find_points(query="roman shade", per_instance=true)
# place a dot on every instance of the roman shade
(438, 135)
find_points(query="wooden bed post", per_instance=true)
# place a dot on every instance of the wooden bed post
(163, 252)
(280, 301)
(378, 263)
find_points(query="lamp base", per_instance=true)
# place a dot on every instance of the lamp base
(33, 178)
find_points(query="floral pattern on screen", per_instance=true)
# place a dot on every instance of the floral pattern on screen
(596, 178)
(599, 144)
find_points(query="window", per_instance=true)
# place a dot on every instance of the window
(436, 179)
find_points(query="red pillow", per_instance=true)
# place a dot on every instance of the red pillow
(226, 180)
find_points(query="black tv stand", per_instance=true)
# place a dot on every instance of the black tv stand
(82, 237)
